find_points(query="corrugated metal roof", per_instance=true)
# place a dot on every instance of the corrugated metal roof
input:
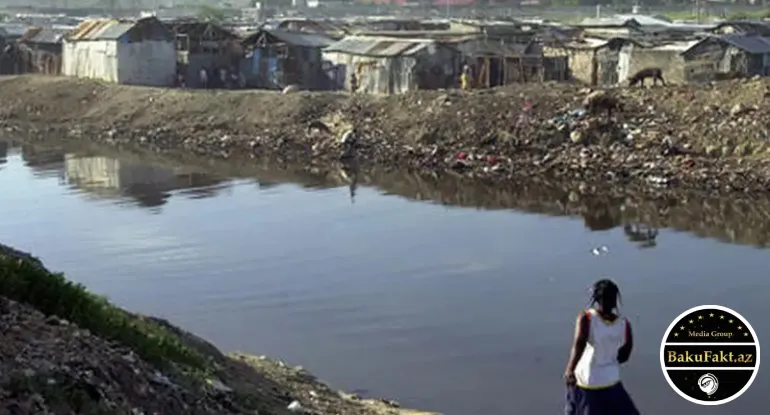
(750, 44)
(606, 21)
(311, 40)
(378, 46)
(677, 46)
(761, 28)
(474, 48)
(42, 35)
(106, 29)
(644, 20)
(593, 42)
(12, 29)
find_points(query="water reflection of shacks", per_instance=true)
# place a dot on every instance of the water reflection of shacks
(734, 219)
(43, 162)
(148, 185)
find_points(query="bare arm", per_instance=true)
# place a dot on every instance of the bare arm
(578, 345)
(625, 351)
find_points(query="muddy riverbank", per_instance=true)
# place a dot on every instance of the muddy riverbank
(710, 138)
(66, 351)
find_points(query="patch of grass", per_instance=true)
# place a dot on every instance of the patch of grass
(52, 294)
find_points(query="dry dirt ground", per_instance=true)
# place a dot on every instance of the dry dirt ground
(713, 137)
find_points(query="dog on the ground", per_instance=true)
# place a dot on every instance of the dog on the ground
(598, 101)
(655, 73)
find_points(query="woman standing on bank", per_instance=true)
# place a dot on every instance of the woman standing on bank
(602, 342)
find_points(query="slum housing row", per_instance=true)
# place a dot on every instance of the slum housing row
(611, 51)
(388, 58)
(154, 52)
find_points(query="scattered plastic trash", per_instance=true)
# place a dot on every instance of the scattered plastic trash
(658, 180)
(349, 137)
(600, 250)
(294, 406)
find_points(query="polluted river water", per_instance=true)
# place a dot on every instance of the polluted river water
(449, 298)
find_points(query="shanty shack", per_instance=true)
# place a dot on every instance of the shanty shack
(392, 65)
(203, 45)
(732, 54)
(742, 28)
(335, 30)
(275, 58)
(138, 52)
(12, 31)
(42, 48)
(598, 61)
(609, 27)
(496, 63)
(10, 56)
(667, 57)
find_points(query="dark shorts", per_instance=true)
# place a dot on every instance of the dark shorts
(610, 401)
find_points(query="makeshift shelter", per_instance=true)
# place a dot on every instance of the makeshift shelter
(203, 45)
(498, 63)
(43, 50)
(742, 27)
(392, 65)
(276, 58)
(733, 54)
(598, 61)
(135, 53)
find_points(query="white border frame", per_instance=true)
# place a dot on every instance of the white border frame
(663, 360)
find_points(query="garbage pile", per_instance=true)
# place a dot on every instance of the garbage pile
(712, 136)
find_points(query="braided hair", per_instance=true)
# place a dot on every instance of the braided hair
(606, 294)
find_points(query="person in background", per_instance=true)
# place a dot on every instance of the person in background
(180, 82)
(465, 78)
(223, 77)
(203, 78)
(234, 78)
(602, 342)
(353, 82)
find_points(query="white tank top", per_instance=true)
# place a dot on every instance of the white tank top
(598, 367)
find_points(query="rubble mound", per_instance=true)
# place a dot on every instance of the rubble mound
(49, 366)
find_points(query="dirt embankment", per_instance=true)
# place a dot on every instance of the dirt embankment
(709, 137)
(65, 351)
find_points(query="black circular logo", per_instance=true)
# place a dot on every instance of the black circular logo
(710, 355)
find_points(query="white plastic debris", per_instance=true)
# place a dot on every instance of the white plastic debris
(294, 406)
(218, 386)
(658, 180)
(348, 138)
(600, 250)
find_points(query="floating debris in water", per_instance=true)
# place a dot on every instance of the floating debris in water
(600, 250)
